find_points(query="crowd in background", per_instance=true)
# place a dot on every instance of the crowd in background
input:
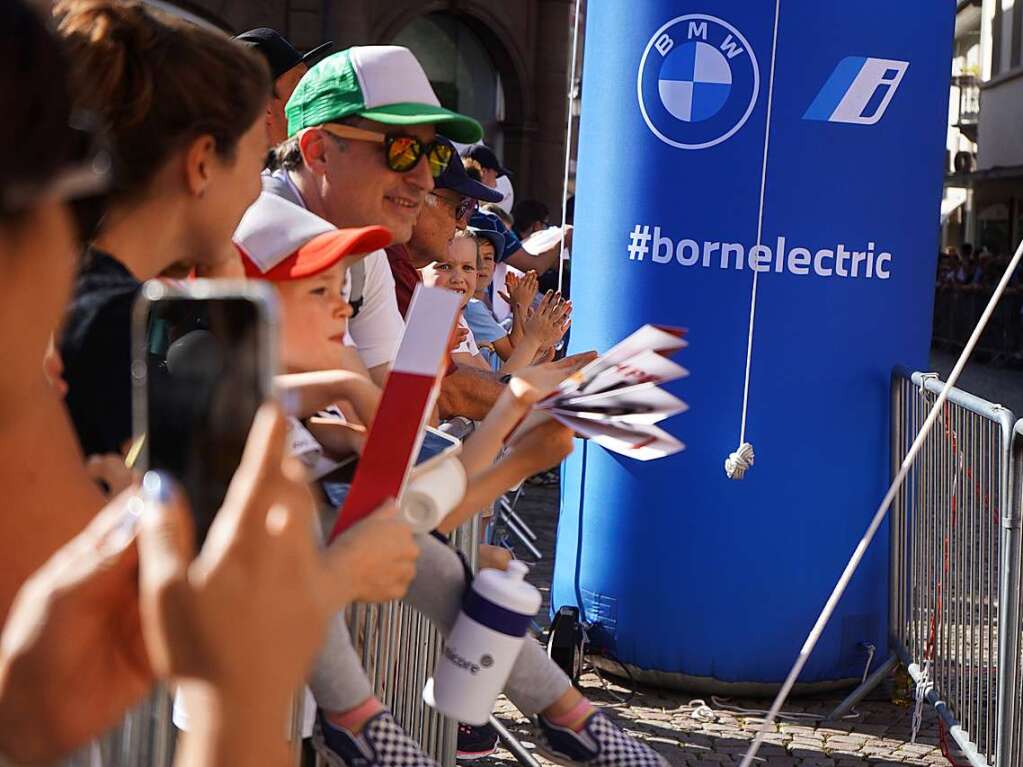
(967, 268)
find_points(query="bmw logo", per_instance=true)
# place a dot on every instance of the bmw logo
(698, 82)
(487, 661)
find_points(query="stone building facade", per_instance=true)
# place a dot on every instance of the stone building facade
(505, 62)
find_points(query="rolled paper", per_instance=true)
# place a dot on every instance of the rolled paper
(433, 494)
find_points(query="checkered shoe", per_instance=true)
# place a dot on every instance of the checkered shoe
(381, 743)
(600, 743)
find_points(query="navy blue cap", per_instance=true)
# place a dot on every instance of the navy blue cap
(278, 52)
(494, 238)
(456, 179)
(483, 220)
(485, 156)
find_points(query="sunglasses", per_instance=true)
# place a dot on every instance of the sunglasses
(462, 209)
(402, 151)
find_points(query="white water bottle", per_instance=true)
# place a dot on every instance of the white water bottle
(484, 643)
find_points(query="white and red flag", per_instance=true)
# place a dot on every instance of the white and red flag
(409, 396)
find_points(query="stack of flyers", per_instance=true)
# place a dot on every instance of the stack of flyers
(616, 400)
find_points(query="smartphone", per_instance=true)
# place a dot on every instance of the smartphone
(204, 356)
(437, 446)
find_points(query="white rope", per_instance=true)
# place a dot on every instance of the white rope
(568, 145)
(921, 695)
(701, 712)
(739, 462)
(871, 650)
(882, 510)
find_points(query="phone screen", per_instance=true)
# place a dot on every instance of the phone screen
(336, 484)
(205, 380)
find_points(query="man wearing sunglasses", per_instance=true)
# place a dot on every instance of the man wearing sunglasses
(447, 209)
(361, 151)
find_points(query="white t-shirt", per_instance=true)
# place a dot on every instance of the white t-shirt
(378, 327)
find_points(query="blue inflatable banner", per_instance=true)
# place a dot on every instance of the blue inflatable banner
(799, 142)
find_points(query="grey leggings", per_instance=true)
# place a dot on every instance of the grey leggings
(339, 683)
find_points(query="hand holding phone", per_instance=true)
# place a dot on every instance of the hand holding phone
(204, 357)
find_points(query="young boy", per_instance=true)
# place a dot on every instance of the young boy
(457, 272)
(353, 727)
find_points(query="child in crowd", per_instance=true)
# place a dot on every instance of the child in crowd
(499, 339)
(352, 724)
(457, 272)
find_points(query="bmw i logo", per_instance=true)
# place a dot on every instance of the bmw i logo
(698, 82)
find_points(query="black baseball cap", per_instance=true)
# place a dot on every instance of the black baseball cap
(485, 156)
(278, 52)
(458, 180)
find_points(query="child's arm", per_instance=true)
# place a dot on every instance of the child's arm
(528, 387)
(504, 347)
(519, 294)
(547, 325)
(542, 447)
(308, 393)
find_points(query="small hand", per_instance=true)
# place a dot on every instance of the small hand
(532, 384)
(520, 291)
(458, 336)
(309, 393)
(380, 553)
(551, 320)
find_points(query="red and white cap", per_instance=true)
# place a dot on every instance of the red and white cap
(280, 241)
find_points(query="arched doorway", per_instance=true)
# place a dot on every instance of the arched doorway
(460, 68)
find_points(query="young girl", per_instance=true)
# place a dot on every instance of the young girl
(457, 272)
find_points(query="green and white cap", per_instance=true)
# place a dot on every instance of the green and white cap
(384, 83)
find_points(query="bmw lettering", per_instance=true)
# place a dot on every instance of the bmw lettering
(698, 82)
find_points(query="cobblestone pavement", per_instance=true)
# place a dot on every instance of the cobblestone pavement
(717, 737)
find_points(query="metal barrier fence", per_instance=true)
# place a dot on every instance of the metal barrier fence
(399, 649)
(1011, 680)
(144, 737)
(952, 600)
(957, 309)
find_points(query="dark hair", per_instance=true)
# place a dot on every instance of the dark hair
(286, 156)
(529, 212)
(34, 99)
(157, 82)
